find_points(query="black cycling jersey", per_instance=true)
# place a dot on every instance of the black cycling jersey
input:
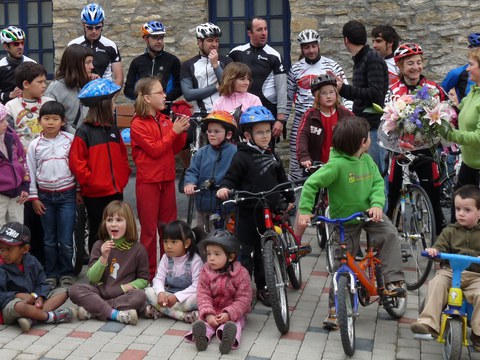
(7, 81)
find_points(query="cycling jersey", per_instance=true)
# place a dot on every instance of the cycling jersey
(105, 52)
(7, 81)
(392, 70)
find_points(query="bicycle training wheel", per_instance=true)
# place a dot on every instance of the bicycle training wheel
(345, 315)
(190, 210)
(274, 277)
(447, 188)
(80, 238)
(416, 228)
(294, 270)
(452, 348)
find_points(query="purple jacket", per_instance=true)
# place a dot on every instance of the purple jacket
(14, 175)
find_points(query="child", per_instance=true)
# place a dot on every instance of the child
(236, 80)
(24, 295)
(53, 192)
(174, 287)
(255, 167)
(98, 156)
(211, 163)
(463, 238)
(155, 142)
(355, 184)
(14, 176)
(224, 294)
(117, 271)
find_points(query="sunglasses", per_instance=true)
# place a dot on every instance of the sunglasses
(157, 37)
(17, 43)
(91, 27)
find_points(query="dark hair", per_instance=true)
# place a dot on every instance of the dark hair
(469, 192)
(387, 33)
(52, 108)
(179, 230)
(349, 134)
(355, 32)
(72, 66)
(250, 22)
(28, 71)
(102, 113)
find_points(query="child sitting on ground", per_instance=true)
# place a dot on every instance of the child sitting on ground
(24, 295)
(224, 294)
(354, 184)
(463, 238)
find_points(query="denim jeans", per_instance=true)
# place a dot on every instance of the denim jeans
(376, 152)
(58, 223)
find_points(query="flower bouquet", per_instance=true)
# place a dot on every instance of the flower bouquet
(414, 121)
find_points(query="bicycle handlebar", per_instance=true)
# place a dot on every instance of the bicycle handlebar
(454, 257)
(251, 195)
(361, 216)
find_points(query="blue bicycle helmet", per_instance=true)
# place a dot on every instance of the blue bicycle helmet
(97, 90)
(153, 27)
(255, 115)
(92, 14)
(126, 135)
(474, 40)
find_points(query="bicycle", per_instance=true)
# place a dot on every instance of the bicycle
(414, 218)
(356, 282)
(80, 239)
(278, 253)
(448, 177)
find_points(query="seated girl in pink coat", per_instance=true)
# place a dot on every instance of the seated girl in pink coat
(224, 294)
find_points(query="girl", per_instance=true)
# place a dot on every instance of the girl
(98, 156)
(117, 271)
(74, 72)
(224, 294)
(236, 80)
(155, 141)
(53, 192)
(174, 288)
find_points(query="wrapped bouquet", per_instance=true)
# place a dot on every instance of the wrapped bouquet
(413, 121)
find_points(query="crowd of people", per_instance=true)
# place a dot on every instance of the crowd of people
(59, 147)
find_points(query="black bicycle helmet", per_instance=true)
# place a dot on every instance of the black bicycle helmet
(321, 81)
(222, 238)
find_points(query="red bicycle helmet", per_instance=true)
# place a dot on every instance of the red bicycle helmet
(407, 50)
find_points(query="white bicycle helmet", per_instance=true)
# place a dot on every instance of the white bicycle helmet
(208, 30)
(308, 36)
(11, 34)
(92, 14)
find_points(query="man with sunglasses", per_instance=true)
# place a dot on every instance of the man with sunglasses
(13, 39)
(106, 57)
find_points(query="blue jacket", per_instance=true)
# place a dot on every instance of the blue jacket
(458, 78)
(207, 163)
(13, 281)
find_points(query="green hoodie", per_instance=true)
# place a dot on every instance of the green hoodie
(354, 184)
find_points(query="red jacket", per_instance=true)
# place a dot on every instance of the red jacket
(154, 145)
(99, 161)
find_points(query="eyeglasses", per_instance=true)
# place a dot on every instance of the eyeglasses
(330, 93)
(158, 92)
(157, 37)
(17, 43)
(91, 27)
(262, 133)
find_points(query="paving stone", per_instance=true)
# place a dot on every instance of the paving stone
(112, 326)
(28, 357)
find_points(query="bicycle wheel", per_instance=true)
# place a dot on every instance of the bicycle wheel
(346, 317)
(294, 270)
(452, 348)
(274, 277)
(190, 210)
(396, 307)
(322, 234)
(417, 232)
(447, 183)
(80, 238)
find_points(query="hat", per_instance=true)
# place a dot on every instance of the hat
(14, 233)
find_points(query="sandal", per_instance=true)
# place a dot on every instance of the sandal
(190, 317)
(152, 313)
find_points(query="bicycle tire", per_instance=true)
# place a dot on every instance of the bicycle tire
(345, 315)
(416, 234)
(80, 238)
(452, 348)
(190, 210)
(276, 286)
(331, 247)
(322, 233)
(294, 270)
(398, 309)
(447, 189)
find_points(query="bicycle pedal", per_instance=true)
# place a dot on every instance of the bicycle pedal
(304, 250)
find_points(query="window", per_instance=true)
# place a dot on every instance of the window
(232, 16)
(35, 17)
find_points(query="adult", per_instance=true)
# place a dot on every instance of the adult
(300, 77)
(268, 73)
(200, 75)
(13, 41)
(458, 78)
(385, 40)
(73, 73)
(409, 59)
(155, 61)
(369, 82)
(106, 57)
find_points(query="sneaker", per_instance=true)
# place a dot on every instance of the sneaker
(422, 329)
(128, 316)
(331, 322)
(199, 331)
(264, 296)
(151, 312)
(396, 288)
(83, 314)
(52, 283)
(67, 281)
(190, 317)
(62, 315)
(26, 323)
(475, 341)
(228, 337)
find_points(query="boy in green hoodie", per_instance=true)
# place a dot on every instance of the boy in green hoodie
(354, 184)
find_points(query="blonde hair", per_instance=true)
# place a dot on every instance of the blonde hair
(475, 55)
(122, 209)
(401, 61)
(316, 97)
(232, 72)
(144, 87)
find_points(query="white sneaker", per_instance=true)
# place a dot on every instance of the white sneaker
(128, 316)
(25, 323)
(83, 314)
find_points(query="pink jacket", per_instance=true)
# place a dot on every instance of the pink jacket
(228, 292)
(230, 103)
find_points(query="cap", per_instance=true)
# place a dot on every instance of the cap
(14, 233)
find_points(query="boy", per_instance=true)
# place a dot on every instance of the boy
(24, 295)
(354, 184)
(210, 164)
(463, 238)
(255, 167)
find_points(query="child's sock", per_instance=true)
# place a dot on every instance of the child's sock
(51, 317)
(114, 315)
